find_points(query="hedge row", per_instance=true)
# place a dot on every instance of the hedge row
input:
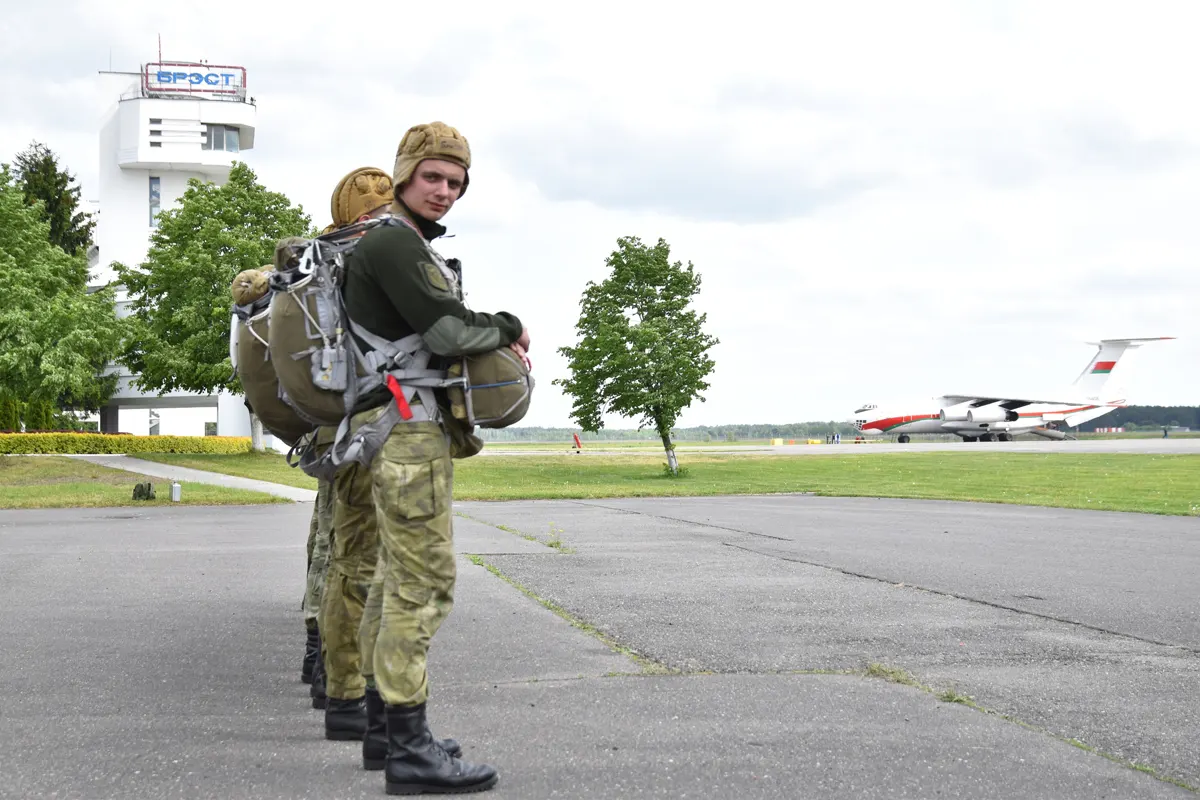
(118, 444)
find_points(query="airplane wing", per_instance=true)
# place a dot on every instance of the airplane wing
(977, 400)
(1086, 416)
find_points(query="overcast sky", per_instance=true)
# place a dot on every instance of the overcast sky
(885, 200)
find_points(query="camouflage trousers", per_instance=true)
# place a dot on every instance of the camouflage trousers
(412, 591)
(319, 530)
(351, 567)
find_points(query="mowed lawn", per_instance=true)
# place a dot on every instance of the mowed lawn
(655, 446)
(1159, 484)
(60, 482)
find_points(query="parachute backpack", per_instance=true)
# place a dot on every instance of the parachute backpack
(252, 358)
(496, 389)
(323, 371)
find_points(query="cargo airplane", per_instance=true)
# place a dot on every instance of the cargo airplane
(990, 417)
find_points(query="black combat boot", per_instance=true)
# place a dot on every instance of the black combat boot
(345, 720)
(312, 651)
(375, 739)
(317, 690)
(416, 763)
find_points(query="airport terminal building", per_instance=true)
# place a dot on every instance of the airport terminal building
(170, 121)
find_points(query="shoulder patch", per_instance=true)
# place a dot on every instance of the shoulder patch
(435, 276)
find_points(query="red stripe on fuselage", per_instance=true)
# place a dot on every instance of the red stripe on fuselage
(892, 422)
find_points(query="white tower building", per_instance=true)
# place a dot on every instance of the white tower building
(174, 121)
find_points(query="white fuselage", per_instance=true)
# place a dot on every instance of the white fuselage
(964, 419)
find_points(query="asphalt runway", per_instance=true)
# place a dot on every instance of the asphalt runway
(848, 447)
(156, 652)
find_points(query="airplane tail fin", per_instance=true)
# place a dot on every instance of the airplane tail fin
(1095, 376)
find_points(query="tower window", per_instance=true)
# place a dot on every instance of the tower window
(155, 194)
(222, 137)
(154, 121)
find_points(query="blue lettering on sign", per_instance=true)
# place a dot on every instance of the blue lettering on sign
(195, 78)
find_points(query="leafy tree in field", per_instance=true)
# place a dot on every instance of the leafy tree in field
(40, 179)
(180, 301)
(55, 337)
(642, 352)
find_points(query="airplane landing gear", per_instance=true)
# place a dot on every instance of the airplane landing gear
(902, 438)
(1006, 437)
(970, 438)
(988, 437)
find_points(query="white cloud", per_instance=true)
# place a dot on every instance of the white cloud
(883, 199)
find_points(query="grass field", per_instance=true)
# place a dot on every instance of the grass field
(656, 446)
(621, 445)
(1159, 484)
(58, 482)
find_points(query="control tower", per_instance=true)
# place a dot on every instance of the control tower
(172, 121)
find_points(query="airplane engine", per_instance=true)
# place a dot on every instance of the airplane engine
(956, 413)
(992, 414)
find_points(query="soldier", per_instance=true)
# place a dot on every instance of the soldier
(363, 193)
(396, 285)
(312, 670)
(320, 546)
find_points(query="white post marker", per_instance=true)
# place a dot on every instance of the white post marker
(176, 492)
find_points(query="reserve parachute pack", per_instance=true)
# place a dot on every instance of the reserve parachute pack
(251, 357)
(322, 371)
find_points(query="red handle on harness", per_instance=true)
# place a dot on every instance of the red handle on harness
(394, 387)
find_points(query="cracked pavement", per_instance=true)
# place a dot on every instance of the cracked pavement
(155, 652)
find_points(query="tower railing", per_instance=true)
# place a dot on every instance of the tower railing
(138, 91)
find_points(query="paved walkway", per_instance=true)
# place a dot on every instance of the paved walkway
(171, 472)
(155, 652)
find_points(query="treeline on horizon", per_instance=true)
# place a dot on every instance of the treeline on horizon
(1147, 417)
(1131, 418)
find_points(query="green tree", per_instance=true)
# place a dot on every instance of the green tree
(10, 413)
(180, 301)
(642, 352)
(41, 179)
(55, 336)
(34, 416)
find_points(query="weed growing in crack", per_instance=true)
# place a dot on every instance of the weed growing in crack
(555, 540)
(951, 696)
(892, 674)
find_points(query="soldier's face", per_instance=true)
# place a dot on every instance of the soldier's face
(433, 188)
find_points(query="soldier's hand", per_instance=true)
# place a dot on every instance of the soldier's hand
(519, 349)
